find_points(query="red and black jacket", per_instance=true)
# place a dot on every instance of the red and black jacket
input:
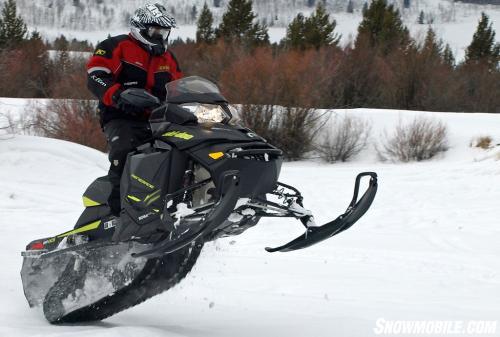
(120, 63)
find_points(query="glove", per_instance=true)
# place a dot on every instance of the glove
(135, 101)
(125, 106)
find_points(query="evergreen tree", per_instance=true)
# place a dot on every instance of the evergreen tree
(448, 56)
(238, 24)
(483, 48)
(316, 31)
(383, 27)
(205, 32)
(350, 7)
(194, 13)
(12, 27)
(320, 30)
(406, 4)
(295, 33)
(61, 43)
(365, 8)
(421, 18)
(432, 46)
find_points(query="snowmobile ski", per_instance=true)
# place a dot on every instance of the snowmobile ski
(354, 212)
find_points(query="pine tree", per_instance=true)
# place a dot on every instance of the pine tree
(350, 7)
(295, 33)
(12, 27)
(483, 48)
(406, 4)
(205, 32)
(421, 18)
(432, 46)
(316, 31)
(365, 8)
(238, 24)
(448, 56)
(194, 13)
(432, 49)
(383, 27)
(319, 30)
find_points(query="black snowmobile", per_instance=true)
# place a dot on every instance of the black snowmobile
(198, 179)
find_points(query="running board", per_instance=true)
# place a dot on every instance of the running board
(354, 212)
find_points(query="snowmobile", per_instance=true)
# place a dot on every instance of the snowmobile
(199, 178)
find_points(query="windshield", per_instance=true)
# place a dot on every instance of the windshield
(193, 89)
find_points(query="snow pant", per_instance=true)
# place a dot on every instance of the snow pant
(123, 136)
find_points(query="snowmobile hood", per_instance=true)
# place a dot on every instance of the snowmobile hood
(186, 136)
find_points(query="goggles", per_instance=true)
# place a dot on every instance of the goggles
(158, 31)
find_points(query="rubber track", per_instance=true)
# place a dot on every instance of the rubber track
(157, 276)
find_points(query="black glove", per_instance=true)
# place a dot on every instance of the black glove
(135, 101)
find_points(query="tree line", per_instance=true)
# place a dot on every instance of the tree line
(383, 67)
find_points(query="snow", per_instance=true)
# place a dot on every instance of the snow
(426, 250)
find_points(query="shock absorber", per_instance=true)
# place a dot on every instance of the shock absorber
(187, 181)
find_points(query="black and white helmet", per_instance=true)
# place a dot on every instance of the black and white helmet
(151, 25)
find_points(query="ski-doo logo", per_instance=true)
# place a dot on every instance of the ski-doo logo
(145, 216)
(98, 80)
(100, 52)
(178, 134)
(155, 11)
(109, 224)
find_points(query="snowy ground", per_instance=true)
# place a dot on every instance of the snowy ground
(427, 250)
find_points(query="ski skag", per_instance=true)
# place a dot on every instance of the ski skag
(198, 179)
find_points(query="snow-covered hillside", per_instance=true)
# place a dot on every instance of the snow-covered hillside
(428, 248)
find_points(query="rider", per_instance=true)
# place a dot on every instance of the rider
(137, 60)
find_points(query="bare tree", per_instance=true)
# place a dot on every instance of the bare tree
(418, 140)
(71, 120)
(347, 137)
(6, 125)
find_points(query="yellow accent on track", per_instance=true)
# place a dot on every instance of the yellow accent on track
(89, 227)
(216, 155)
(87, 202)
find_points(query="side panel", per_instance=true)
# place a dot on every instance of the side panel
(147, 178)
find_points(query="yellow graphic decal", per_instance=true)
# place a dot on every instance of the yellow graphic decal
(142, 181)
(152, 195)
(216, 155)
(87, 202)
(89, 227)
(178, 134)
(164, 68)
(100, 52)
(131, 197)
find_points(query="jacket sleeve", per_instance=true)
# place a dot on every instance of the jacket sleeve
(102, 69)
(175, 69)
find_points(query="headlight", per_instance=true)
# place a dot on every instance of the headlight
(207, 112)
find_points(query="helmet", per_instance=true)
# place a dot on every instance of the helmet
(151, 25)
